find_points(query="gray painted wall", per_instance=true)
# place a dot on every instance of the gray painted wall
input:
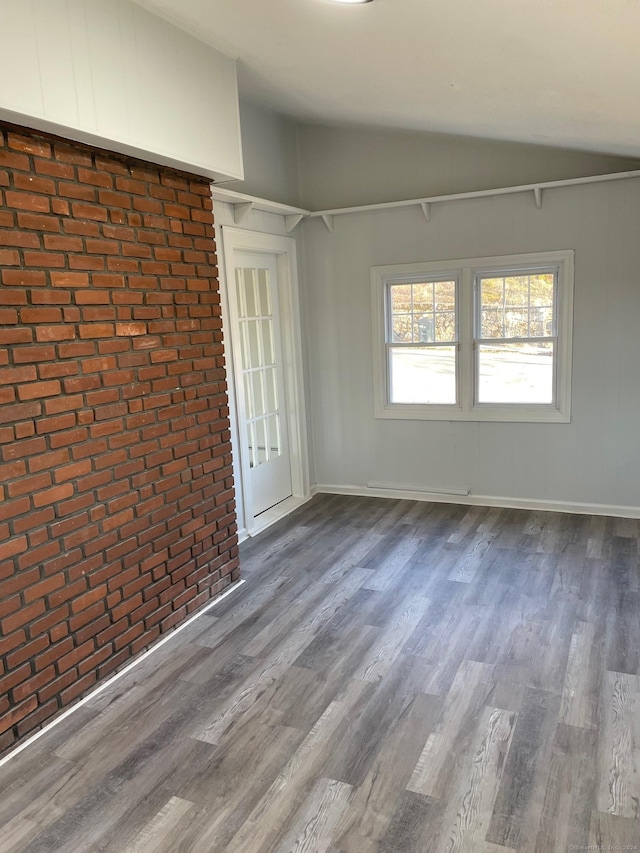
(595, 459)
(269, 147)
(342, 166)
(318, 167)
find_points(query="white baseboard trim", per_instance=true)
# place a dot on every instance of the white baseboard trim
(481, 500)
(102, 687)
(276, 513)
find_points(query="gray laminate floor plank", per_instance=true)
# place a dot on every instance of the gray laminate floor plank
(393, 677)
(570, 791)
(619, 746)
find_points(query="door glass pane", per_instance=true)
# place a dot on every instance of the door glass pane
(250, 293)
(246, 284)
(253, 334)
(240, 292)
(515, 373)
(262, 452)
(251, 439)
(248, 394)
(264, 295)
(423, 375)
(267, 342)
(258, 394)
(271, 389)
(260, 374)
(275, 443)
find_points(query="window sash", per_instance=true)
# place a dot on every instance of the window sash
(453, 343)
(480, 275)
(478, 341)
(425, 279)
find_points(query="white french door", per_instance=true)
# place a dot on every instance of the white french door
(260, 379)
(262, 333)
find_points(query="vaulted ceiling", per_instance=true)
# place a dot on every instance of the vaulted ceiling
(555, 72)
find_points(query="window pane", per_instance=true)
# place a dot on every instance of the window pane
(445, 296)
(403, 328)
(445, 326)
(492, 323)
(516, 324)
(423, 375)
(515, 373)
(423, 298)
(492, 292)
(426, 329)
(401, 298)
(516, 290)
(542, 289)
(541, 323)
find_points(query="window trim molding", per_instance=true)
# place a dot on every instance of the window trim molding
(466, 270)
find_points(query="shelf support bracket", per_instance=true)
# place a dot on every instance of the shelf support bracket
(241, 211)
(537, 194)
(426, 209)
(292, 221)
(328, 221)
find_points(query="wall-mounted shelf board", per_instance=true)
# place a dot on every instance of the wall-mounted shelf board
(243, 205)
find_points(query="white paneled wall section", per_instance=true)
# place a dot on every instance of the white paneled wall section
(111, 74)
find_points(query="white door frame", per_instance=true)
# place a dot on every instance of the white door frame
(285, 250)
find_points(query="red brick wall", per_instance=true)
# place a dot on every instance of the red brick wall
(116, 495)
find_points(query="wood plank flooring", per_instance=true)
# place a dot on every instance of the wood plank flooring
(394, 677)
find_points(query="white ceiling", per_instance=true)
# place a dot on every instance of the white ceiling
(555, 72)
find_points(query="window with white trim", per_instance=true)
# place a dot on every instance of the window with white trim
(483, 339)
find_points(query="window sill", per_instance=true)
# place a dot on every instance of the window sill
(483, 414)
